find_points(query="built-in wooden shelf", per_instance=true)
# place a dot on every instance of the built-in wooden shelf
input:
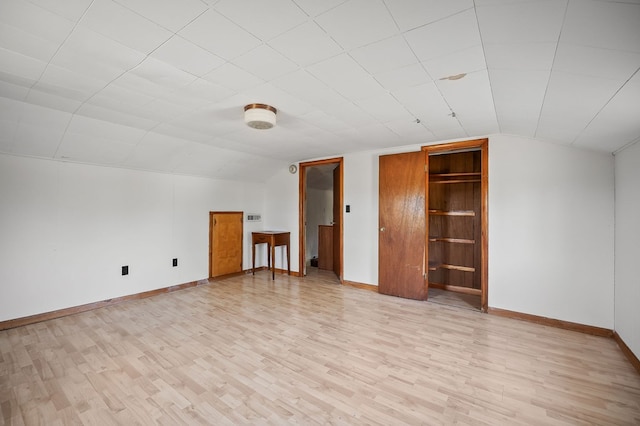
(451, 240)
(455, 181)
(466, 177)
(452, 212)
(435, 265)
(462, 174)
(457, 267)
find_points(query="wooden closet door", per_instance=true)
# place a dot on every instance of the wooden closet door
(402, 226)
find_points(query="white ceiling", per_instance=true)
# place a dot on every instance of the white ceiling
(161, 84)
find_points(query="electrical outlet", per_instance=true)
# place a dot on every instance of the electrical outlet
(125, 270)
(175, 262)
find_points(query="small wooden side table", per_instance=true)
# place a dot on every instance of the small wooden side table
(272, 239)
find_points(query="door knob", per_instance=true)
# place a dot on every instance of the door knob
(382, 229)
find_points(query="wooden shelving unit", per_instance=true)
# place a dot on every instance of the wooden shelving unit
(454, 213)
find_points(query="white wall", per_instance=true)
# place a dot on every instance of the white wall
(627, 278)
(281, 214)
(66, 229)
(551, 227)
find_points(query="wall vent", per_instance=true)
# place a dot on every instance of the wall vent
(252, 217)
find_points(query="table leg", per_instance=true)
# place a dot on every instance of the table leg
(273, 264)
(288, 261)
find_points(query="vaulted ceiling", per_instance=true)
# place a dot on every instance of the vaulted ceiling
(161, 84)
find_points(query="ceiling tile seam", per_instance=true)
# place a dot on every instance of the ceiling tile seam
(555, 55)
(73, 28)
(439, 19)
(486, 64)
(603, 107)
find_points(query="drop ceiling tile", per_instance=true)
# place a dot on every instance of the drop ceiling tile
(443, 37)
(233, 77)
(23, 67)
(384, 55)
(262, 19)
(412, 75)
(385, 108)
(52, 100)
(35, 115)
(160, 110)
(12, 91)
(370, 17)
(136, 83)
(219, 35)
(86, 126)
(520, 56)
(181, 132)
(607, 25)
(595, 62)
(424, 102)
(518, 97)
(296, 44)
(265, 63)
(93, 54)
(410, 131)
(208, 91)
(314, 7)
(124, 26)
(303, 85)
(472, 101)
(32, 19)
(157, 152)
(69, 9)
(530, 22)
(321, 119)
(115, 117)
(60, 77)
(352, 115)
(571, 102)
(616, 125)
(347, 77)
(463, 61)
(118, 97)
(162, 74)
(173, 15)
(93, 150)
(36, 141)
(187, 57)
(27, 44)
(60, 91)
(410, 14)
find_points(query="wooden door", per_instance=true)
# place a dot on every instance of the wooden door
(337, 221)
(402, 226)
(225, 243)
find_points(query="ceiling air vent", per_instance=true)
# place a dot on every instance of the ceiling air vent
(252, 217)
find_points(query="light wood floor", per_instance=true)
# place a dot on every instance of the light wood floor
(248, 350)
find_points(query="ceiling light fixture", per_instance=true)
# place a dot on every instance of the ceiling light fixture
(260, 116)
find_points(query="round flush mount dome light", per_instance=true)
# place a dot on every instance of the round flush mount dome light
(260, 116)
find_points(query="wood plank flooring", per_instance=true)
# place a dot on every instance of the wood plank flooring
(249, 350)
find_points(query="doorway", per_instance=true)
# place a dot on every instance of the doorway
(320, 210)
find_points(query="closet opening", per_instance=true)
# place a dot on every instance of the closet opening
(456, 199)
